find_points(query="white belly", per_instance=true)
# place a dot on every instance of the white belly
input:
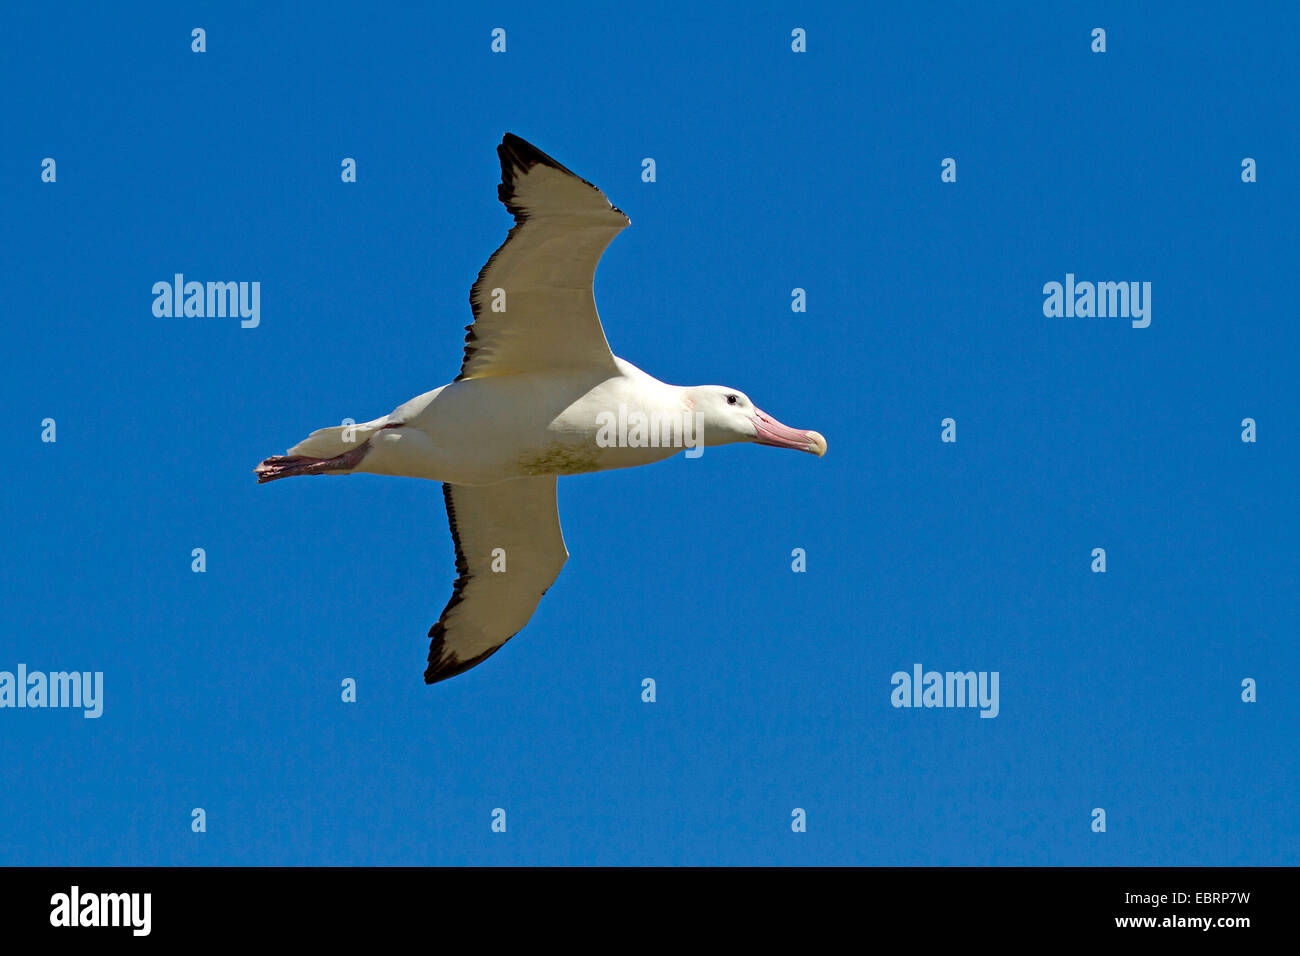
(482, 431)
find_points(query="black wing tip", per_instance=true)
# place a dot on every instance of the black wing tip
(515, 151)
(441, 666)
(519, 156)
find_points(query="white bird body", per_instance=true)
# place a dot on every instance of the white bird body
(520, 426)
(540, 395)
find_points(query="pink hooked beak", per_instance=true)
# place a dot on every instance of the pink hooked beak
(772, 432)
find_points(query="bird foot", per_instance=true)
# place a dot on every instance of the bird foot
(289, 466)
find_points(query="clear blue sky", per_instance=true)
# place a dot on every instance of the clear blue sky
(775, 170)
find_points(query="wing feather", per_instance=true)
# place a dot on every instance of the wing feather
(534, 303)
(496, 592)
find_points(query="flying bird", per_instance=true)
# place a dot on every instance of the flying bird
(539, 395)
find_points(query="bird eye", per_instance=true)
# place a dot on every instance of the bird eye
(731, 399)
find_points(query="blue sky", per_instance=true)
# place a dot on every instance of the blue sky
(775, 170)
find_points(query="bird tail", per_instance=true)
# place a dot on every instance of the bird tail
(326, 451)
(336, 440)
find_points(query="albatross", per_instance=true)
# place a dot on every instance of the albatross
(539, 395)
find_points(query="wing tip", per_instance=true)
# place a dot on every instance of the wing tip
(443, 665)
(517, 157)
(515, 151)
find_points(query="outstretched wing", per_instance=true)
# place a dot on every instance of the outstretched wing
(534, 305)
(509, 550)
